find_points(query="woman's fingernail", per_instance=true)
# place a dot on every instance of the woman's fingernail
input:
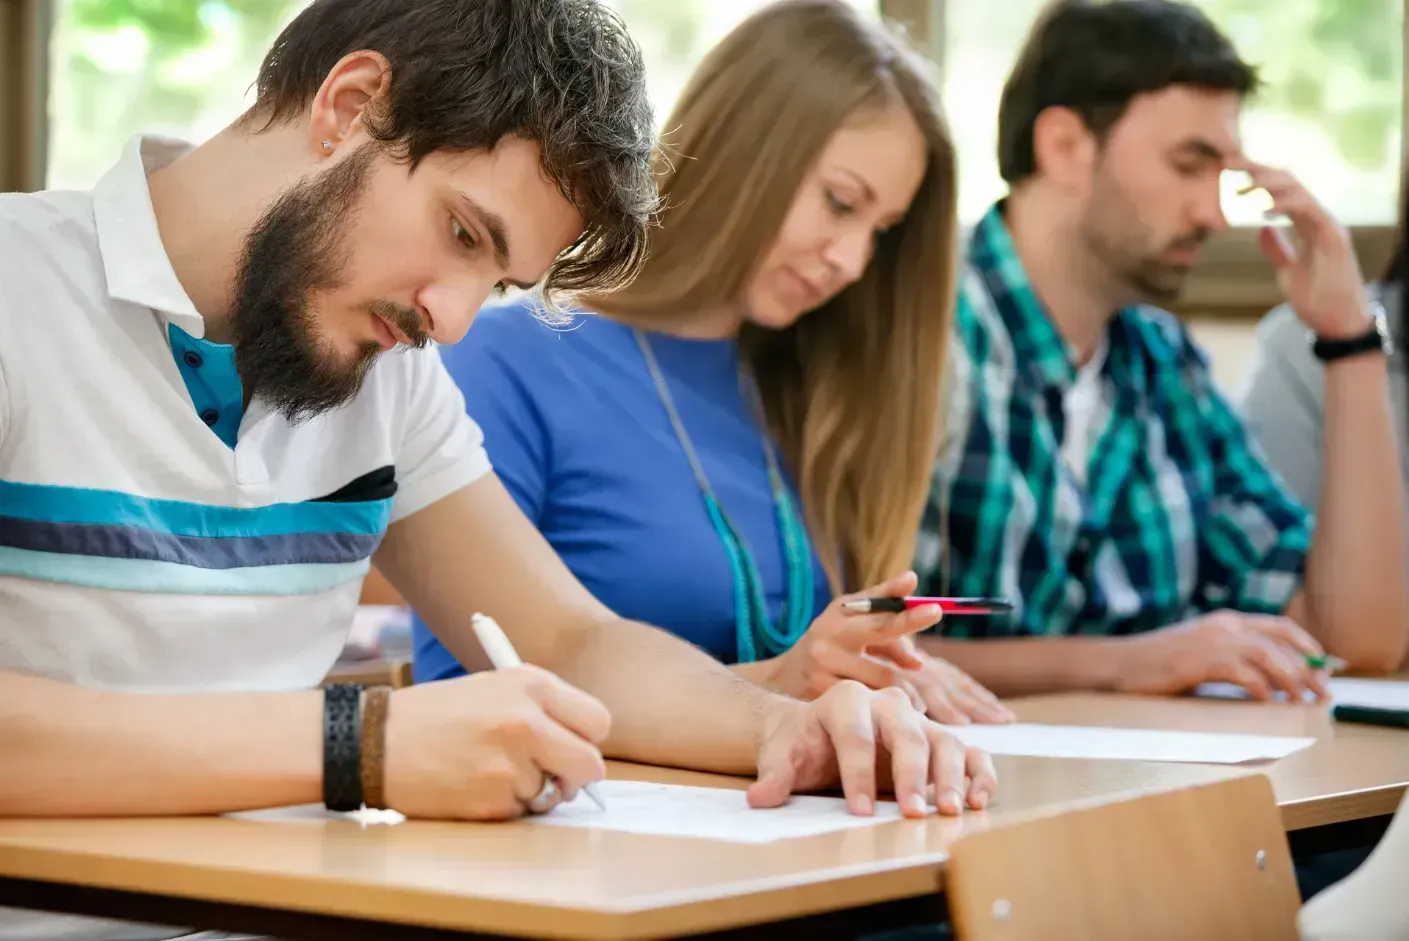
(861, 806)
(951, 801)
(916, 804)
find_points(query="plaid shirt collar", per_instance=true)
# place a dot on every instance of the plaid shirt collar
(1044, 357)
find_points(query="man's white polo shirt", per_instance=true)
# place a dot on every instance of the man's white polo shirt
(153, 535)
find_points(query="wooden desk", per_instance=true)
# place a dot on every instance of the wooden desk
(334, 879)
(1353, 772)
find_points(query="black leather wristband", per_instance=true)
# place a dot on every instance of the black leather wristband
(342, 747)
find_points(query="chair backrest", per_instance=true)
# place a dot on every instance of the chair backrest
(1208, 862)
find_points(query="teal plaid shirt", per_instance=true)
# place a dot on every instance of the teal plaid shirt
(1179, 514)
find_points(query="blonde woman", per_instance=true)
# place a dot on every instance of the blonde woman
(742, 439)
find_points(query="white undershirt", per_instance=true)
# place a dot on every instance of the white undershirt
(1079, 405)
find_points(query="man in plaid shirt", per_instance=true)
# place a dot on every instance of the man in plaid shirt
(1091, 472)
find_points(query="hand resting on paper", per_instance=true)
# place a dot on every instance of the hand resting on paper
(862, 739)
(877, 650)
(1265, 655)
(478, 747)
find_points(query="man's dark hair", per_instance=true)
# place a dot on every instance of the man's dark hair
(1096, 57)
(466, 73)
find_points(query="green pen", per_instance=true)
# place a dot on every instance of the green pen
(1325, 662)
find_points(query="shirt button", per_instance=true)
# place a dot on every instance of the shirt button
(210, 416)
(193, 359)
(1084, 545)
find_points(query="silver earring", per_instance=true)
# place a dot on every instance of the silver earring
(328, 145)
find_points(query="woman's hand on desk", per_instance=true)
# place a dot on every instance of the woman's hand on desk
(877, 650)
(477, 747)
(860, 739)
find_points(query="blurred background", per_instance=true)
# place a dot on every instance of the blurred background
(78, 77)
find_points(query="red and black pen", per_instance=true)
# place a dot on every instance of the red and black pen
(946, 605)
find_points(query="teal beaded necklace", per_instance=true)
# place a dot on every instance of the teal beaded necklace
(758, 638)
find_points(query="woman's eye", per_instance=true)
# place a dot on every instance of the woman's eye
(836, 205)
(461, 234)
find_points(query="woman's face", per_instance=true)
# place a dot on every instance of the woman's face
(861, 184)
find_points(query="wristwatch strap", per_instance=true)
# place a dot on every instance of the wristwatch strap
(1375, 339)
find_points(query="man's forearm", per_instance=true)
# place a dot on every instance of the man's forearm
(71, 751)
(1355, 574)
(1030, 666)
(671, 703)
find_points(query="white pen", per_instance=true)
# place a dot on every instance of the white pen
(502, 654)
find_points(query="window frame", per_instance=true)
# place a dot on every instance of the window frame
(1232, 281)
(24, 76)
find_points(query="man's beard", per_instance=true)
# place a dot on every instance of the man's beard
(295, 251)
(1118, 241)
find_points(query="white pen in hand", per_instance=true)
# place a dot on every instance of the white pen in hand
(502, 654)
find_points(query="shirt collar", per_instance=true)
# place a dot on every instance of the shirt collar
(1039, 350)
(134, 259)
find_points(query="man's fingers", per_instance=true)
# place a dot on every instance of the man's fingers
(949, 761)
(903, 733)
(1280, 669)
(1287, 631)
(572, 760)
(1243, 674)
(580, 712)
(847, 719)
(1276, 246)
(772, 789)
(983, 779)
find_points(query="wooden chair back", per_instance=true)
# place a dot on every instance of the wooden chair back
(1208, 862)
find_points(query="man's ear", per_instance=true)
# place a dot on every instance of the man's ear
(352, 86)
(1063, 148)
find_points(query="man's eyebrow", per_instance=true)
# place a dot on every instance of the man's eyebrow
(1203, 148)
(493, 223)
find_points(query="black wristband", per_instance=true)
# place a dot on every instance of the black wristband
(342, 747)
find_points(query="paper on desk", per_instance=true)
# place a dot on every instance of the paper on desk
(1378, 694)
(659, 809)
(1070, 741)
(708, 813)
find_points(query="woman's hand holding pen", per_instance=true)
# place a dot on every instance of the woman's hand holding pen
(877, 650)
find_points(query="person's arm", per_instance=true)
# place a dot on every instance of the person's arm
(90, 752)
(671, 703)
(1355, 600)
(1031, 666)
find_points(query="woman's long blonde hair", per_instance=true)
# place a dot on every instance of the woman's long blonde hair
(852, 390)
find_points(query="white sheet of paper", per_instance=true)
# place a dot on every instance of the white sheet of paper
(707, 813)
(1071, 741)
(1379, 694)
(660, 809)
